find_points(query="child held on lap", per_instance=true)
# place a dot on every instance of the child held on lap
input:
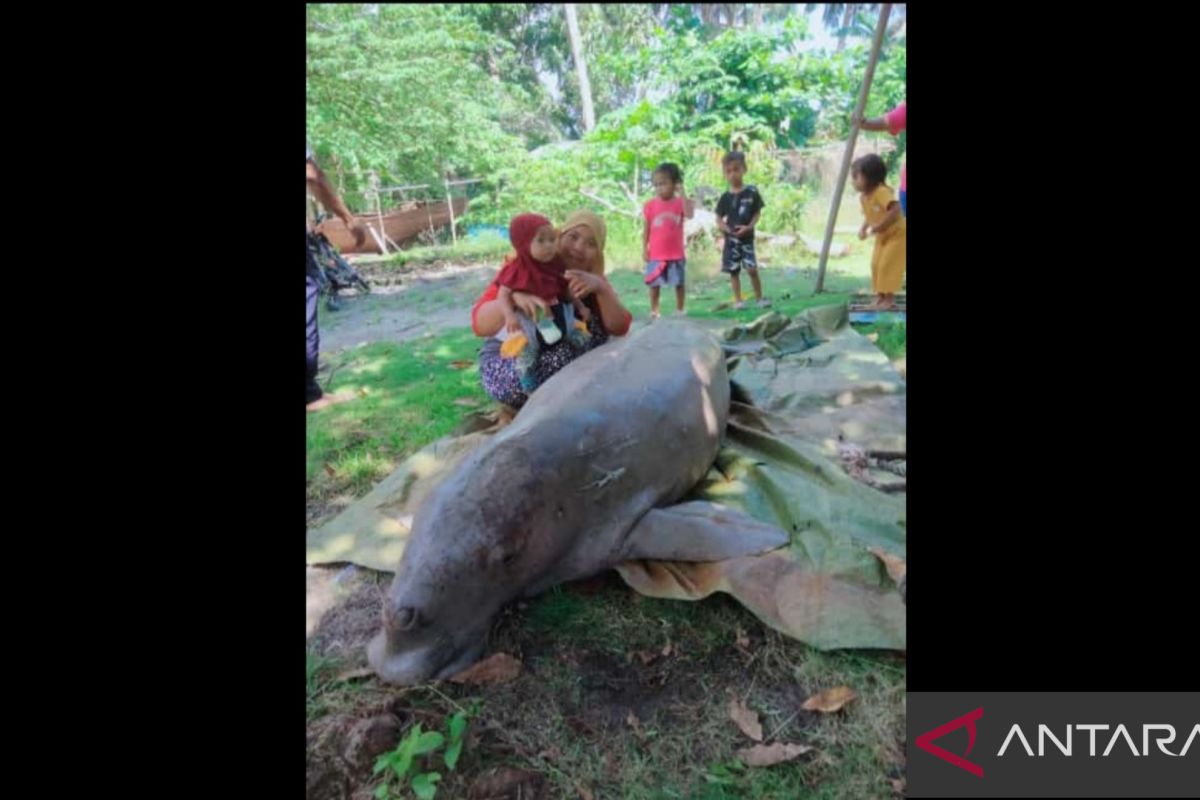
(534, 267)
(737, 214)
(882, 218)
(663, 236)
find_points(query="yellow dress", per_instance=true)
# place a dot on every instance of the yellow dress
(888, 259)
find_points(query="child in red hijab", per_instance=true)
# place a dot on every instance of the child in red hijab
(535, 268)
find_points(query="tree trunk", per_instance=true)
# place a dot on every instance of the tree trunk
(758, 16)
(847, 15)
(585, 87)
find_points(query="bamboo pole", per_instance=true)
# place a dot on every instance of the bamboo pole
(379, 214)
(450, 205)
(844, 170)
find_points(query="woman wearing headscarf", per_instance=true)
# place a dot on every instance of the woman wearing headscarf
(581, 247)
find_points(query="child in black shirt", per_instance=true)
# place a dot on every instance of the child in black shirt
(737, 214)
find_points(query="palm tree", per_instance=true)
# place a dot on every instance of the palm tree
(840, 17)
(585, 87)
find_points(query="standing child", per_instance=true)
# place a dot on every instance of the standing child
(883, 219)
(662, 238)
(737, 214)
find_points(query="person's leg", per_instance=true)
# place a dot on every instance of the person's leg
(499, 378)
(735, 279)
(756, 284)
(553, 358)
(526, 360)
(891, 268)
(680, 286)
(312, 389)
(654, 295)
(875, 277)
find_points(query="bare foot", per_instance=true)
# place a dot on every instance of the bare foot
(327, 400)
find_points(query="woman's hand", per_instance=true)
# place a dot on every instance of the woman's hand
(530, 304)
(583, 283)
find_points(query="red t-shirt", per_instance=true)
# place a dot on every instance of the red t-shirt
(666, 228)
(897, 120)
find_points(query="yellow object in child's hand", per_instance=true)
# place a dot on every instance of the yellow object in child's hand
(513, 346)
(582, 326)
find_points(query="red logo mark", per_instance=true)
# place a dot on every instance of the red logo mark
(925, 741)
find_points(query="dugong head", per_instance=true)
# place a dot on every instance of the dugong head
(486, 533)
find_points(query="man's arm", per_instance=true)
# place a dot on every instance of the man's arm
(319, 185)
(876, 124)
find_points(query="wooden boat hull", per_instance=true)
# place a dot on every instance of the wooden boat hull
(400, 225)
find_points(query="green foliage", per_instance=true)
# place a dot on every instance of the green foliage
(784, 212)
(490, 90)
(399, 91)
(399, 763)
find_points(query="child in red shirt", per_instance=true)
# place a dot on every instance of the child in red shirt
(663, 236)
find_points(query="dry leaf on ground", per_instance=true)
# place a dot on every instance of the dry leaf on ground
(467, 402)
(765, 755)
(461, 364)
(496, 668)
(896, 568)
(745, 719)
(830, 700)
(743, 641)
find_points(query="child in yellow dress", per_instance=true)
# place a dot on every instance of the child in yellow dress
(882, 218)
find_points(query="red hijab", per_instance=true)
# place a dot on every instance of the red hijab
(522, 272)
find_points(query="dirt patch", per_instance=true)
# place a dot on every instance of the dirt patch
(617, 691)
(343, 610)
(404, 306)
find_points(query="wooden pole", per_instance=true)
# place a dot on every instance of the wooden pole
(379, 214)
(844, 170)
(450, 205)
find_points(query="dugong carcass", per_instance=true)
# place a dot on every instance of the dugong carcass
(584, 478)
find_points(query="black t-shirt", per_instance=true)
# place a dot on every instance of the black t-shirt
(740, 208)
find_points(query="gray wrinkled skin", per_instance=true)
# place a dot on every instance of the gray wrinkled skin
(629, 427)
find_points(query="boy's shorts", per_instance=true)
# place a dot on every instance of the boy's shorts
(903, 204)
(738, 254)
(666, 273)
